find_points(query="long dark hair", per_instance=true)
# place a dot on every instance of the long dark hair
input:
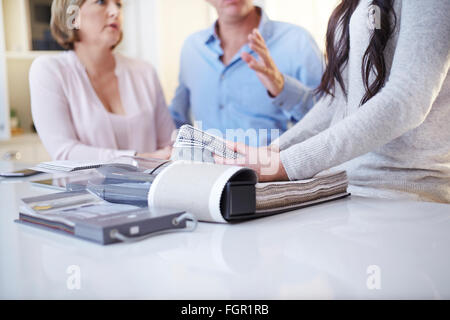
(338, 47)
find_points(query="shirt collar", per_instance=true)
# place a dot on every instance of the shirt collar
(265, 28)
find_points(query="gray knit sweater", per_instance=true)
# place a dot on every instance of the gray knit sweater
(398, 143)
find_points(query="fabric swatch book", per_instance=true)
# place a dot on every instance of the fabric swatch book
(276, 197)
(84, 215)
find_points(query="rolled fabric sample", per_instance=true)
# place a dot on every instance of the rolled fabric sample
(194, 187)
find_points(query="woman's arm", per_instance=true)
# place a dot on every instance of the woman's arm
(52, 116)
(315, 121)
(420, 66)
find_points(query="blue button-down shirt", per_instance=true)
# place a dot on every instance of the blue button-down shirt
(223, 97)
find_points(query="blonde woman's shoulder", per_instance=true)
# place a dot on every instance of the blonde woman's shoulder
(51, 64)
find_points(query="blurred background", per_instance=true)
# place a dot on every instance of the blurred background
(154, 30)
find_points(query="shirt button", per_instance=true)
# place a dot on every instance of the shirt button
(221, 107)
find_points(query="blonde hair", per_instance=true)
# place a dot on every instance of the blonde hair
(61, 23)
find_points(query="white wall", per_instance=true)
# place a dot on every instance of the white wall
(313, 15)
(17, 37)
(154, 30)
(178, 19)
(4, 109)
(141, 30)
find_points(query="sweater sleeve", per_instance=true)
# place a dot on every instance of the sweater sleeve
(52, 116)
(315, 121)
(419, 68)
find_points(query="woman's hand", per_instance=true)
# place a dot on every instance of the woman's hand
(265, 67)
(265, 161)
(163, 154)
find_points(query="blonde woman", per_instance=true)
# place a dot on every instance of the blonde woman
(90, 102)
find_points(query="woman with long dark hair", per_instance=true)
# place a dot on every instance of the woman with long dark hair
(384, 108)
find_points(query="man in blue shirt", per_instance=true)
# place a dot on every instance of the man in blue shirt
(246, 73)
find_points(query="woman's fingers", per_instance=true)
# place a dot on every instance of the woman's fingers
(224, 161)
(241, 148)
(245, 152)
(264, 161)
(238, 147)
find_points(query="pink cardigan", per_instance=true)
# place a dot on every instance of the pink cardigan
(72, 121)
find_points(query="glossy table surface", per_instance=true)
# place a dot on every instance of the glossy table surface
(354, 248)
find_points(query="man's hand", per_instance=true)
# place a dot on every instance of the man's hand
(264, 161)
(265, 67)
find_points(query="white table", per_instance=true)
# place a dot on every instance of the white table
(351, 248)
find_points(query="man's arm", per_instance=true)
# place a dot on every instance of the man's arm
(180, 106)
(298, 97)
